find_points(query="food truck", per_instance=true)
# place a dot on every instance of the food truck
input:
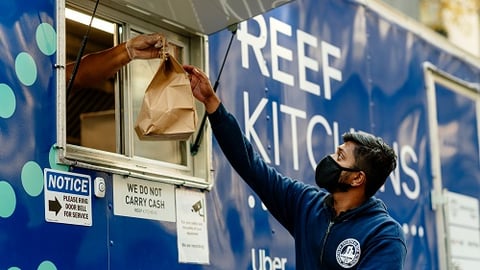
(80, 190)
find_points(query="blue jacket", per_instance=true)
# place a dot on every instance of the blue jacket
(362, 238)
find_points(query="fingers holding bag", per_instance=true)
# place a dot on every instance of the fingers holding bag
(202, 88)
(146, 46)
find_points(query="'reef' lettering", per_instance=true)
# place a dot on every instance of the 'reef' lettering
(281, 54)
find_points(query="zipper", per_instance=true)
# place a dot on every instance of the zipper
(325, 240)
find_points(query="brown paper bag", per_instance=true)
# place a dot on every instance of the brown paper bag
(168, 108)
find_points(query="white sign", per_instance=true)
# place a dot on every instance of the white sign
(68, 197)
(192, 234)
(134, 197)
(463, 210)
(464, 230)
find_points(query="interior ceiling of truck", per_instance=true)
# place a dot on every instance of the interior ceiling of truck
(202, 16)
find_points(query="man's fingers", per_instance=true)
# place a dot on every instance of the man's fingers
(154, 38)
(189, 68)
(199, 73)
(197, 77)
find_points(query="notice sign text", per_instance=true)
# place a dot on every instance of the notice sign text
(67, 198)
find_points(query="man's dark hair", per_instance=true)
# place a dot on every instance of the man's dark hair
(374, 157)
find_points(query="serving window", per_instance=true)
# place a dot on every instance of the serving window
(96, 124)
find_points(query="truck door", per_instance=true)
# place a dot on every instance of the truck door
(453, 106)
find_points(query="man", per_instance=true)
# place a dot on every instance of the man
(346, 228)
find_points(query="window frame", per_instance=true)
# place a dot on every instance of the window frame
(439, 195)
(197, 173)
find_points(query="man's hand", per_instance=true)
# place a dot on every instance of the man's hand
(146, 46)
(202, 89)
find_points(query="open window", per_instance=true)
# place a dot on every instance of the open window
(96, 125)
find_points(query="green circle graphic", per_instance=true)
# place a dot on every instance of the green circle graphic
(32, 178)
(8, 199)
(46, 39)
(26, 68)
(7, 101)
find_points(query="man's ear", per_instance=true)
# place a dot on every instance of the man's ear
(359, 179)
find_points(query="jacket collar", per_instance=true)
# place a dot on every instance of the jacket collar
(370, 205)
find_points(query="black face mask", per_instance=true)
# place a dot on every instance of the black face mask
(327, 175)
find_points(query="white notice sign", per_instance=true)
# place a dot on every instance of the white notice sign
(67, 197)
(133, 197)
(464, 230)
(192, 234)
(463, 210)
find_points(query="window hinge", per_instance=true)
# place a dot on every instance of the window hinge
(438, 199)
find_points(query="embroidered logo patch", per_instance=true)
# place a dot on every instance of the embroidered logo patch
(348, 253)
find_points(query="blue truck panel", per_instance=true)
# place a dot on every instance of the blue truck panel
(296, 78)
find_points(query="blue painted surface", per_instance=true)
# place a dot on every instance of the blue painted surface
(381, 90)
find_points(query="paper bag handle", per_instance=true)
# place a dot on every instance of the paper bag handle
(163, 51)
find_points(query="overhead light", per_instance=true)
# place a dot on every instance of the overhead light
(173, 23)
(85, 19)
(139, 10)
